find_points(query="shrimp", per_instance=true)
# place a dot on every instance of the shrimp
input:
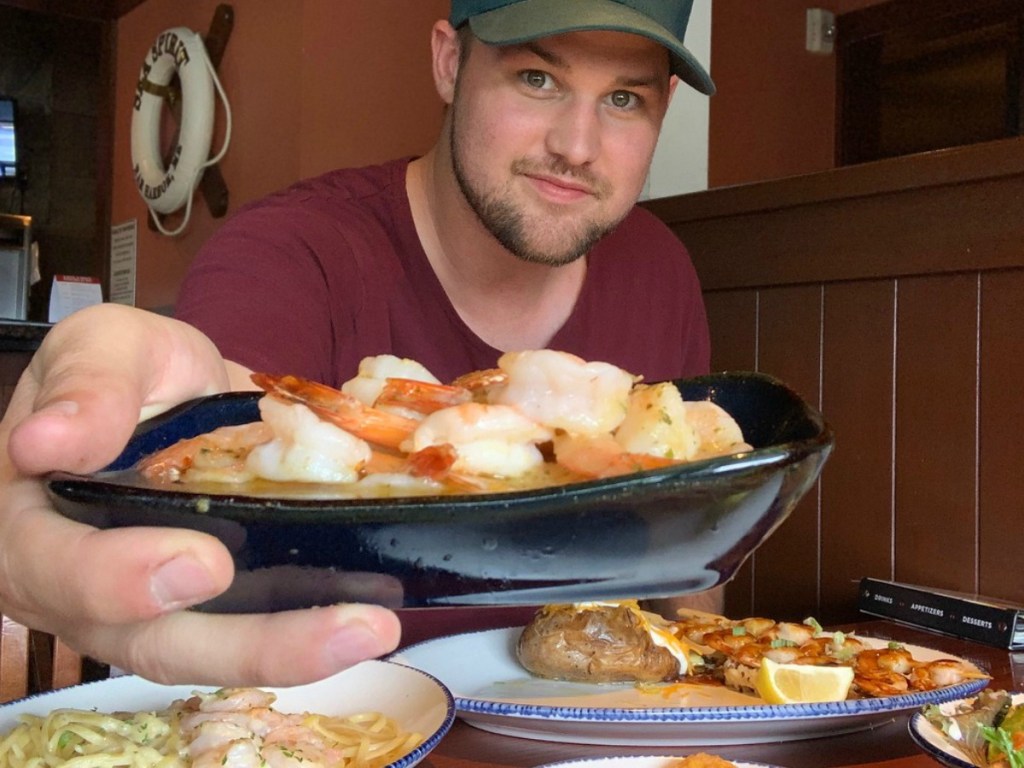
(338, 408)
(839, 647)
(291, 443)
(881, 683)
(728, 640)
(927, 675)
(397, 425)
(656, 423)
(374, 372)
(239, 753)
(306, 448)
(236, 728)
(408, 396)
(695, 630)
(788, 632)
(482, 384)
(882, 671)
(891, 659)
(217, 456)
(561, 391)
(786, 654)
(401, 386)
(224, 726)
(657, 430)
(717, 431)
(235, 699)
(494, 440)
(598, 456)
(756, 625)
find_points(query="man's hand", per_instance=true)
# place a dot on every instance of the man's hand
(119, 595)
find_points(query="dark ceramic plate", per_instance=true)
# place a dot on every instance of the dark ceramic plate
(658, 533)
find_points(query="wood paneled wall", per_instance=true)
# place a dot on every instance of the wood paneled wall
(890, 295)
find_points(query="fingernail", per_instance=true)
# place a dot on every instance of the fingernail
(181, 582)
(351, 643)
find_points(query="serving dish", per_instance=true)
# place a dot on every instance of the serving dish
(495, 693)
(929, 738)
(681, 529)
(416, 700)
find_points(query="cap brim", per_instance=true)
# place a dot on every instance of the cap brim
(531, 19)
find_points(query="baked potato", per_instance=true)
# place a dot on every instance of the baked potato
(600, 643)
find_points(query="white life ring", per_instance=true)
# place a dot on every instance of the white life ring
(166, 190)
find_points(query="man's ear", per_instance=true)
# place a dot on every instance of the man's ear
(445, 46)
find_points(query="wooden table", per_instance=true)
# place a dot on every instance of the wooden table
(885, 746)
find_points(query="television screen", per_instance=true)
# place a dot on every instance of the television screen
(8, 144)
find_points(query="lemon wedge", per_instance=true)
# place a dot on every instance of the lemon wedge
(802, 683)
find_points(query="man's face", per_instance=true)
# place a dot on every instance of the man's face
(551, 140)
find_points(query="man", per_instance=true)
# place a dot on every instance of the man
(517, 230)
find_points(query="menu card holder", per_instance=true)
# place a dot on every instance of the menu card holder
(960, 614)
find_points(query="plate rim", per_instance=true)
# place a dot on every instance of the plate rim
(639, 760)
(940, 752)
(933, 751)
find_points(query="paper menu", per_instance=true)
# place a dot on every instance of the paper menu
(71, 293)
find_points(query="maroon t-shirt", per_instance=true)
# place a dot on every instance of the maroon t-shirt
(312, 279)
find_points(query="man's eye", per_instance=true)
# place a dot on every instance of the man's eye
(624, 100)
(536, 79)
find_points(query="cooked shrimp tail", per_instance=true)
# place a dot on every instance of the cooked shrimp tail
(336, 407)
(421, 396)
(434, 461)
(482, 384)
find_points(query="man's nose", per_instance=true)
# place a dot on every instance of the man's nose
(575, 134)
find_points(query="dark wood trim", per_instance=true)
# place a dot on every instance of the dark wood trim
(990, 160)
(883, 18)
(99, 10)
(936, 213)
(105, 151)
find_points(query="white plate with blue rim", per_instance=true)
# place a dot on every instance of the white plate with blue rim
(417, 701)
(495, 693)
(932, 742)
(639, 761)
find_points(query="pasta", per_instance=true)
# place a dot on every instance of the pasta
(236, 726)
(366, 740)
(82, 739)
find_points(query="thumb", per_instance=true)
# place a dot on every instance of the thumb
(95, 376)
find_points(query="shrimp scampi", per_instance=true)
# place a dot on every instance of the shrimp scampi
(228, 728)
(239, 728)
(539, 418)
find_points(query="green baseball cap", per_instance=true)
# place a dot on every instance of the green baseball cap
(506, 22)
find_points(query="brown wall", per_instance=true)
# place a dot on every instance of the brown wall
(313, 85)
(889, 295)
(774, 113)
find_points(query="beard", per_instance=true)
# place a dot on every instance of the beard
(550, 241)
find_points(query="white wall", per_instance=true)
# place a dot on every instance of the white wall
(680, 162)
